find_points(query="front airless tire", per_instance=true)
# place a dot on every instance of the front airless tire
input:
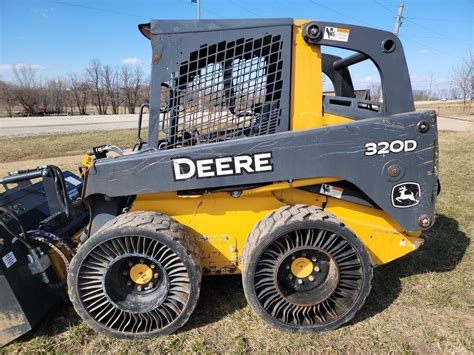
(137, 277)
(304, 271)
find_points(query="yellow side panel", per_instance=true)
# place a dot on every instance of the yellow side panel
(383, 237)
(330, 119)
(306, 88)
(306, 85)
(222, 223)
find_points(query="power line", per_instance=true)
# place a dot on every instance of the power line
(384, 7)
(100, 9)
(429, 29)
(244, 8)
(340, 13)
(429, 47)
(205, 9)
(415, 41)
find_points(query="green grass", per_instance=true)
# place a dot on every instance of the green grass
(57, 145)
(420, 303)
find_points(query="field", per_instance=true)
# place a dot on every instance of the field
(420, 303)
(453, 109)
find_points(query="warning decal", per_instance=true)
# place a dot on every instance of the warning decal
(9, 259)
(331, 191)
(336, 34)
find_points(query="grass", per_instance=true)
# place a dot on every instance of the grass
(58, 145)
(449, 109)
(421, 303)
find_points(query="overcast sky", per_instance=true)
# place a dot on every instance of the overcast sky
(59, 37)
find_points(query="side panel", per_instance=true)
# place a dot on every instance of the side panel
(338, 151)
(222, 223)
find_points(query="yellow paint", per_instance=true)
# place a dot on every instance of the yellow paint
(141, 274)
(330, 119)
(301, 267)
(306, 86)
(222, 223)
(87, 161)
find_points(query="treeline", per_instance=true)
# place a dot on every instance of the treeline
(100, 89)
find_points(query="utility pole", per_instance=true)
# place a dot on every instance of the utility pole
(399, 20)
(198, 3)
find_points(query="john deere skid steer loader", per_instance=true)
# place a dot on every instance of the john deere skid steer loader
(249, 168)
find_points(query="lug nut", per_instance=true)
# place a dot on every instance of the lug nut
(139, 287)
(317, 269)
(311, 278)
(142, 261)
(290, 277)
(129, 283)
(300, 282)
(150, 285)
(314, 259)
(156, 275)
(152, 266)
(130, 263)
(287, 267)
(124, 273)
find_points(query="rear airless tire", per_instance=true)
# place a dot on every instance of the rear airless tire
(304, 271)
(137, 277)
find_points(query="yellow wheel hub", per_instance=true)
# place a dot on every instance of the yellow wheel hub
(141, 274)
(301, 267)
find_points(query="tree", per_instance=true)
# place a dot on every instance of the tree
(58, 95)
(95, 72)
(7, 97)
(27, 87)
(376, 91)
(462, 79)
(112, 87)
(81, 92)
(131, 84)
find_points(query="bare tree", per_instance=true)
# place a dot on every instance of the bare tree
(131, 84)
(376, 91)
(58, 95)
(81, 92)
(95, 73)
(463, 79)
(27, 92)
(112, 87)
(7, 97)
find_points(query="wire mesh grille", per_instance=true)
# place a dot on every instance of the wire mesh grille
(227, 90)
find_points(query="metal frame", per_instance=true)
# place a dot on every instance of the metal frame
(332, 151)
(173, 41)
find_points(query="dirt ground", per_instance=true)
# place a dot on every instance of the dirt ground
(421, 303)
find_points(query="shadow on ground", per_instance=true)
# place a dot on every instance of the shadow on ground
(223, 295)
(442, 251)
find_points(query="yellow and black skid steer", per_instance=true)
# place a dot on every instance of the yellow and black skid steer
(250, 168)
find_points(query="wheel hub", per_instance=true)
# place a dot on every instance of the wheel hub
(306, 276)
(301, 267)
(141, 274)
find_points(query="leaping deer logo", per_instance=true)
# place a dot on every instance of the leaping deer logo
(404, 195)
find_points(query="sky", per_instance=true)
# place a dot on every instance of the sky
(60, 37)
